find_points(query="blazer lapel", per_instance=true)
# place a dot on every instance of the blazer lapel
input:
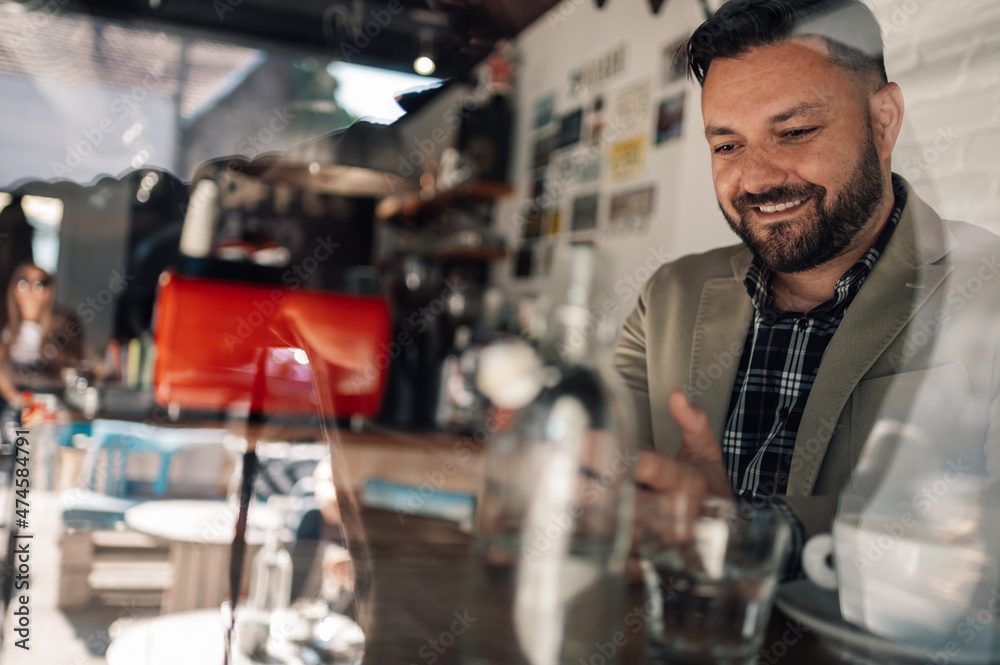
(899, 284)
(724, 314)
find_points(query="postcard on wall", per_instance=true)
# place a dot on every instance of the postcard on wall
(673, 62)
(567, 173)
(537, 184)
(543, 151)
(552, 222)
(543, 111)
(584, 216)
(570, 128)
(632, 106)
(631, 210)
(588, 167)
(524, 262)
(670, 118)
(627, 158)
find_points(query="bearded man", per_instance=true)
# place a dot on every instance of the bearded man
(761, 370)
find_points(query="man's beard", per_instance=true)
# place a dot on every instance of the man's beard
(797, 245)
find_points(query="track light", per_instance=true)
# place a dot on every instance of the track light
(424, 64)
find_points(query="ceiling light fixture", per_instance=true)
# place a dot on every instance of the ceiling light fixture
(424, 64)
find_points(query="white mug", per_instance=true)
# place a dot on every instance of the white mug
(895, 580)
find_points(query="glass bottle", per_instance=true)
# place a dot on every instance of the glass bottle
(555, 523)
(270, 585)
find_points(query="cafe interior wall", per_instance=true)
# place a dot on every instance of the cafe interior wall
(945, 55)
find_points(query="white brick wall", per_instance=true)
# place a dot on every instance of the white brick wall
(945, 55)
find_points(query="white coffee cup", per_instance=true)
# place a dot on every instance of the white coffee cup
(895, 579)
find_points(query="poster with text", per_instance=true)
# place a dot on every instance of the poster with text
(632, 106)
(627, 159)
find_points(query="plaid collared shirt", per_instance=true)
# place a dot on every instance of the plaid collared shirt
(781, 356)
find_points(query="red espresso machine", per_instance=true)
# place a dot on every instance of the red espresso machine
(229, 319)
(254, 319)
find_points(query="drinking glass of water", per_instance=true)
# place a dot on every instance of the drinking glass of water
(711, 571)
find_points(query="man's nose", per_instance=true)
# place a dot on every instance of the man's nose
(761, 170)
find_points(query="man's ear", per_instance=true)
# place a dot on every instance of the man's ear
(886, 109)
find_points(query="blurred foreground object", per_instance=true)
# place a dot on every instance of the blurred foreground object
(556, 516)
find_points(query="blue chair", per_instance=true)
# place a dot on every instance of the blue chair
(84, 509)
(118, 439)
(68, 431)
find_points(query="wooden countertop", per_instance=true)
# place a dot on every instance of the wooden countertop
(412, 579)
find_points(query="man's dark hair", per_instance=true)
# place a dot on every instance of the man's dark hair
(850, 30)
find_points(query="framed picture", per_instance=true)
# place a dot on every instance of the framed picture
(670, 118)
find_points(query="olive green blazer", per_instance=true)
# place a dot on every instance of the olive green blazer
(915, 344)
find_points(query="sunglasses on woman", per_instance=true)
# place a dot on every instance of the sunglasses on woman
(37, 286)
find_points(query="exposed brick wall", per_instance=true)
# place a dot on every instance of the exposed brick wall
(945, 55)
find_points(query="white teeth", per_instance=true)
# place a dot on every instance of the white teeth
(780, 206)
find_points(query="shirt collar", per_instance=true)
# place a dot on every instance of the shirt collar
(758, 277)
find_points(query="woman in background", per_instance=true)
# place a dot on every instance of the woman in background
(37, 343)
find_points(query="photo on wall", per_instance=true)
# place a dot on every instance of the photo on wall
(537, 184)
(670, 118)
(543, 151)
(552, 222)
(524, 262)
(630, 211)
(627, 159)
(584, 215)
(570, 128)
(589, 167)
(543, 111)
(673, 62)
(632, 106)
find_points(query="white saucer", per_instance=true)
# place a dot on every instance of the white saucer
(819, 610)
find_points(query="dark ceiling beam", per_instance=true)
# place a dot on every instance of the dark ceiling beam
(298, 25)
(294, 26)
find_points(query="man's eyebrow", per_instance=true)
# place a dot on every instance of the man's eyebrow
(801, 109)
(716, 130)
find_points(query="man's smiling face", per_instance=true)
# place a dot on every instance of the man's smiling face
(795, 166)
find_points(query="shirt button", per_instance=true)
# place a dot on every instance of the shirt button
(783, 412)
(803, 324)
